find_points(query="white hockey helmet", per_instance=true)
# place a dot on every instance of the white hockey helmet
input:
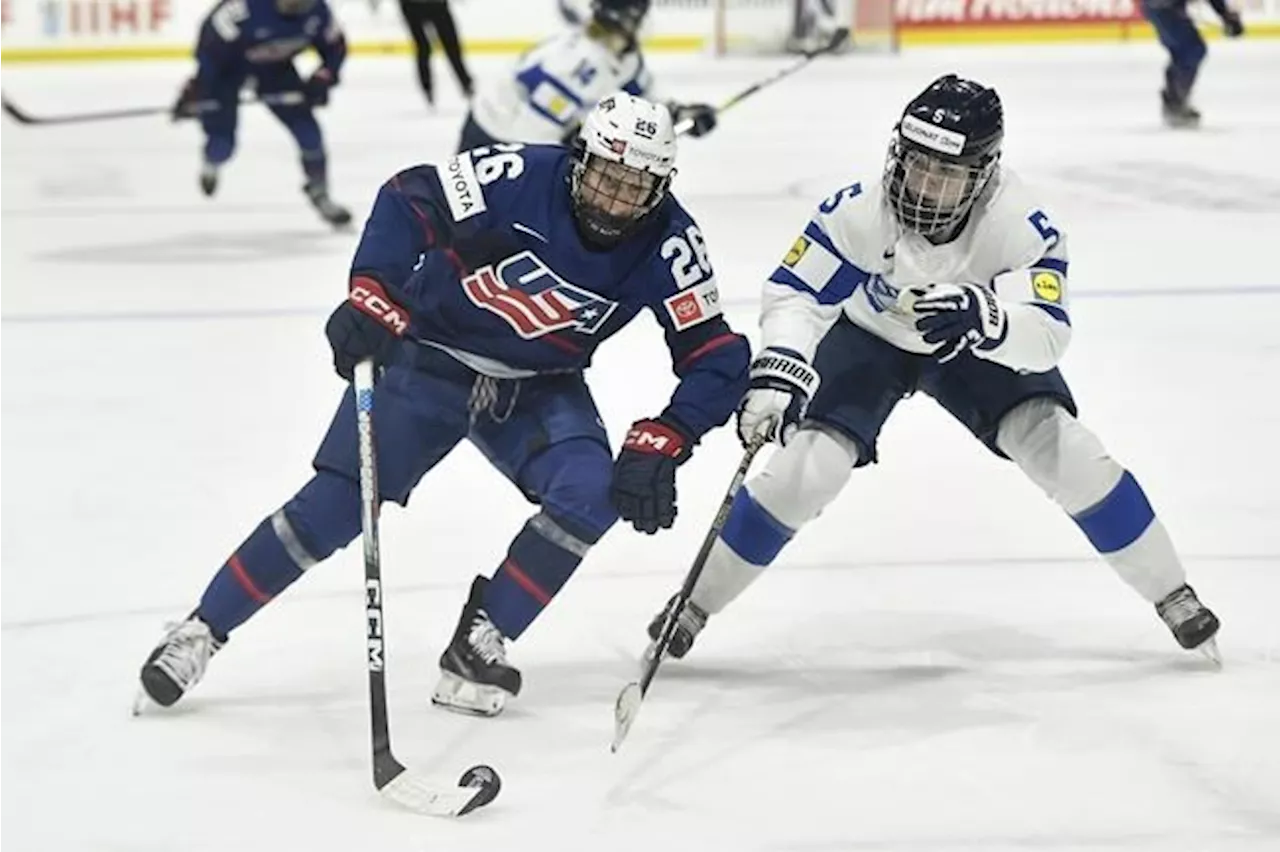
(625, 157)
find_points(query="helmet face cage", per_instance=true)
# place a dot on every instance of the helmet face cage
(294, 7)
(930, 193)
(622, 16)
(611, 199)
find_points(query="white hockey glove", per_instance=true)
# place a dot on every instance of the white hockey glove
(782, 383)
(957, 317)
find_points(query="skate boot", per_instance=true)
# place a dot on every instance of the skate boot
(209, 178)
(178, 662)
(474, 674)
(688, 625)
(1193, 624)
(331, 211)
(1177, 112)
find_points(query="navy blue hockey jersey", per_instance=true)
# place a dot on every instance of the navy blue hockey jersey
(240, 34)
(485, 250)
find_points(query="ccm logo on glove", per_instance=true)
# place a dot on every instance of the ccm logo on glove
(650, 436)
(368, 295)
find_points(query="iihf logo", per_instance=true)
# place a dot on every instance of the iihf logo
(534, 300)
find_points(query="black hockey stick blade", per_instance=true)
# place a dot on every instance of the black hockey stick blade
(627, 705)
(478, 787)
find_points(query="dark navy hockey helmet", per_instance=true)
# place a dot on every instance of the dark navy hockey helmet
(944, 152)
(623, 16)
(295, 8)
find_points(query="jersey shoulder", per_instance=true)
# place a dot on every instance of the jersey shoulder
(500, 180)
(1015, 222)
(857, 223)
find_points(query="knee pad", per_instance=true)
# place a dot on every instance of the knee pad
(805, 475)
(1059, 454)
(322, 517)
(574, 487)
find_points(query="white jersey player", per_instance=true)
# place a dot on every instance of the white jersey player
(944, 276)
(552, 87)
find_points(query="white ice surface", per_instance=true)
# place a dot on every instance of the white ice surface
(939, 663)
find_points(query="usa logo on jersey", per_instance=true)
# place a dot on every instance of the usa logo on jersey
(534, 300)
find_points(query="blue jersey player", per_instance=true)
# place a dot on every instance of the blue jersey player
(1186, 47)
(483, 286)
(255, 40)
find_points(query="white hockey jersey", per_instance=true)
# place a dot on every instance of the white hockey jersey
(854, 257)
(552, 87)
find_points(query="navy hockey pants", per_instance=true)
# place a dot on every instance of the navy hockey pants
(864, 377)
(220, 124)
(543, 434)
(1178, 33)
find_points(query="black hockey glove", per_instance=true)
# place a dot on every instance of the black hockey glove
(1232, 26)
(958, 317)
(703, 117)
(644, 476)
(782, 383)
(186, 106)
(316, 89)
(369, 324)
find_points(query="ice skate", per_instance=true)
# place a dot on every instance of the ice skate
(474, 674)
(209, 178)
(331, 211)
(688, 625)
(177, 663)
(1193, 624)
(1177, 112)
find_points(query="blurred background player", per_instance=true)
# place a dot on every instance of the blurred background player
(1178, 33)
(947, 277)
(470, 285)
(552, 87)
(418, 16)
(245, 42)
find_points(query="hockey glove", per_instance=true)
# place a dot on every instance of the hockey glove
(644, 476)
(1232, 26)
(369, 324)
(703, 117)
(956, 317)
(782, 383)
(316, 89)
(186, 106)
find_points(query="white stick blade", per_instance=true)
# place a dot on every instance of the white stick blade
(625, 710)
(418, 796)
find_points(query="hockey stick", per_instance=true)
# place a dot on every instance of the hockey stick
(23, 117)
(837, 38)
(627, 706)
(479, 785)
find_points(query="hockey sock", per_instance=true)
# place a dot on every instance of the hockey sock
(751, 539)
(539, 562)
(315, 165)
(1126, 532)
(322, 517)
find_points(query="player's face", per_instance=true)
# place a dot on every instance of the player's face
(616, 190)
(935, 183)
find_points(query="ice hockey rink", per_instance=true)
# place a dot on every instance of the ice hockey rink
(938, 663)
